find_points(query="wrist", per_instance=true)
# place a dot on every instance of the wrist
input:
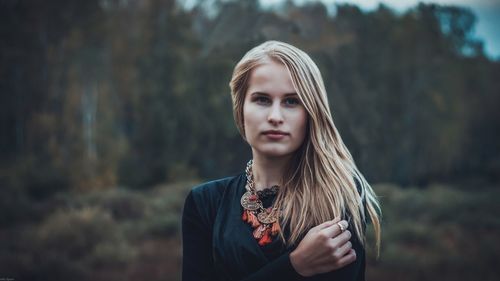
(295, 260)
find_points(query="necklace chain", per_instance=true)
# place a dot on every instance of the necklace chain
(263, 220)
(250, 187)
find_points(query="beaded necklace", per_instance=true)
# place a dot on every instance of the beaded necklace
(264, 221)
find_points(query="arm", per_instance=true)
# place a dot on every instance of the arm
(325, 253)
(344, 258)
(198, 261)
(280, 268)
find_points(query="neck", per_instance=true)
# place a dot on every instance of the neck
(268, 171)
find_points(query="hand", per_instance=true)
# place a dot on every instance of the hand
(324, 248)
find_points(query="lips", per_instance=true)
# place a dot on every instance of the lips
(275, 132)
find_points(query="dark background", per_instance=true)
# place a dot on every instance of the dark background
(110, 111)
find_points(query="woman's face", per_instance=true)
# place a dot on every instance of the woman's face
(274, 118)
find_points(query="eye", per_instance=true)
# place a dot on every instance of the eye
(292, 101)
(262, 100)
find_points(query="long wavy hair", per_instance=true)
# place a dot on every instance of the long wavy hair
(319, 184)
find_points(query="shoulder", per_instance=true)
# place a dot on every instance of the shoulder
(213, 189)
(203, 200)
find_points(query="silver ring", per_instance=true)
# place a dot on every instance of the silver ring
(342, 227)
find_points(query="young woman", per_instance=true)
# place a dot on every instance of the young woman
(298, 210)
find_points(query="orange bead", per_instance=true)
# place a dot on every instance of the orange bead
(266, 238)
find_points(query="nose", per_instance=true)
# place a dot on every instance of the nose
(275, 115)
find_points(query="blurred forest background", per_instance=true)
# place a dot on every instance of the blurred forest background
(111, 110)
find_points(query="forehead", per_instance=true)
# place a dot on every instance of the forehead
(270, 77)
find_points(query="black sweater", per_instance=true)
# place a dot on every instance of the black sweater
(218, 245)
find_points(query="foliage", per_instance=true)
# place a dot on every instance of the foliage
(103, 102)
(138, 94)
(440, 233)
(96, 235)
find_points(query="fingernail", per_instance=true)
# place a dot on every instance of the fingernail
(345, 224)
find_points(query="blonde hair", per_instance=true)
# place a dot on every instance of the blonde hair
(319, 184)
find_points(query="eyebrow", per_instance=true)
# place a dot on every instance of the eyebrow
(266, 94)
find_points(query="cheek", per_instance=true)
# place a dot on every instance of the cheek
(248, 121)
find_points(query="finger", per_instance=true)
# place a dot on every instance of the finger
(334, 229)
(342, 238)
(344, 249)
(348, 258)
(327, 224)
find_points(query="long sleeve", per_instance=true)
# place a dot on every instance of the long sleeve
(211, 215)
(197, 260)
(280, 268)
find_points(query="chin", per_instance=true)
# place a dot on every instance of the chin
(275, 151)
